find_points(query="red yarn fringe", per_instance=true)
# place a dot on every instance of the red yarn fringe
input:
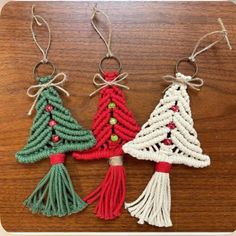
(110, 194)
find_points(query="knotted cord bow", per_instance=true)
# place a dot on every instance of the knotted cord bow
(194, 83)
(104, 83)
(41, 87)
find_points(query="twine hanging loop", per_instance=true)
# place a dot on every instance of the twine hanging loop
(39, 20)
(223, 36)
(108, 41)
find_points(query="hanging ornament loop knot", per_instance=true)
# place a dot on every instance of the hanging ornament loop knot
(34, 91)
(104, 83)
(108, 41)
(223, 36)
(194, 83)
(40, 21)
(196, 51)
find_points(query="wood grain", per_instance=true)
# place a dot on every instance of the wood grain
(148, 37)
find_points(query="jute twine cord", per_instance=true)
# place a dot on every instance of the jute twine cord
(197, 83)
(104, 83)
(55, 81)
(108, 41)
(37, 19)
(224, 35)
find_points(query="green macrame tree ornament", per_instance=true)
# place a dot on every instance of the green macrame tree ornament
(54, 132)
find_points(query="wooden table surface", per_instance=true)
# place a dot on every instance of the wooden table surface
(148, 37)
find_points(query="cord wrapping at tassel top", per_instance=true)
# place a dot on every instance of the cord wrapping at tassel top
(163, 167)
(116, 161)
(58, 158)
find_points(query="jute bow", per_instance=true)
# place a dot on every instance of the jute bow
(38, 89)
(104, 83)
(194, 83)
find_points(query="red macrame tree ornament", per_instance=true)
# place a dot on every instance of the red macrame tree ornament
(113, 126)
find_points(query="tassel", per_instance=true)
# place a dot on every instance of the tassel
(55, 195)
(154, 204)
(110, 194)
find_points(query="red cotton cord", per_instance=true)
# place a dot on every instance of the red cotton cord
(113, 126)
(163, 167)
(110, 194)
(57, 158)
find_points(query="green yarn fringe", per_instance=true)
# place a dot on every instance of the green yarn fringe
(55, 195)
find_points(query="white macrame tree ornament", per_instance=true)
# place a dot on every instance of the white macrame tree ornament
(167, 138)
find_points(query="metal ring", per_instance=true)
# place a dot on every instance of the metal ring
(109, 58)
(35, 70)
(186, 59)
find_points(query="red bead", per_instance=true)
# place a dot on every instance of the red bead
(55, 138)
(175, 108)
(167, 141)
(171, 125)
(49, 108)
(52, 123)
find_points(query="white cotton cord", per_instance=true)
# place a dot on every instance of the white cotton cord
(154, 204)
(56, 81)
(148, 144)
(104, 83)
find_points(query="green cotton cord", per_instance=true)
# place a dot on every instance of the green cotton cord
(45, 152)
(35, 145)
(68, 184)
(80, 133)
(64, 123)
(35, 201)
(66, 200)
(73, 136)
(59, 196)
(50, 192)
(37, 132)
(39, 107)
(65, 118)
(55, 195)
(40, 141)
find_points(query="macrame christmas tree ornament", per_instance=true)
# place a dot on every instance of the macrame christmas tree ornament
(168, 138)
(54, 132)
(113, 126)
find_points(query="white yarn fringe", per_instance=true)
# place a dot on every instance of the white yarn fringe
(153, 205)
